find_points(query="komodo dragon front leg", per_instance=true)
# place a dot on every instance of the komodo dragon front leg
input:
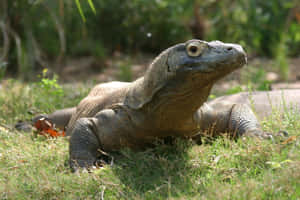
(233, 113)
(235, 119)
(109, 130)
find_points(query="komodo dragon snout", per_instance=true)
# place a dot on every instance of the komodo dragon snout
(206, 57)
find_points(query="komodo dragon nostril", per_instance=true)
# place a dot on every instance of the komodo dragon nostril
(229, 48)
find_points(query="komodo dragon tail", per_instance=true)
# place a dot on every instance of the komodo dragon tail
(60, 118)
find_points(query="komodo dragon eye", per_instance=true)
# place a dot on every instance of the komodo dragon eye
(195, 49)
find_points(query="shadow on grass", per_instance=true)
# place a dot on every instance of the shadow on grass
(160, 171)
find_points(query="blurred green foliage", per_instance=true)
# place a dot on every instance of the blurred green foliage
(138, 25)
(41, 33)
(2, 69)
(261, 26)
(48, 87)
(125, 73)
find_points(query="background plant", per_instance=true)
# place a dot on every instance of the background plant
(41, 33)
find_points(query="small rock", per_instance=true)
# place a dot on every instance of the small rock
(272, 76)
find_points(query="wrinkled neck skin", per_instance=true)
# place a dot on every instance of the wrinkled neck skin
(171, 108)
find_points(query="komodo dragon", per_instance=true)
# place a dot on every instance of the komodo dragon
(166, 101)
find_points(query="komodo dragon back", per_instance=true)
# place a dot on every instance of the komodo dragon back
(100, 97)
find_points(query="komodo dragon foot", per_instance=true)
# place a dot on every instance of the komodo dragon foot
(84, 145)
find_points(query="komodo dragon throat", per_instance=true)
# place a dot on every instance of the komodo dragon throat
(166, 101)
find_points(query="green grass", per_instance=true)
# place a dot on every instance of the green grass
(37, 168)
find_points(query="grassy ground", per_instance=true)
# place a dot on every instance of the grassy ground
(37, 168)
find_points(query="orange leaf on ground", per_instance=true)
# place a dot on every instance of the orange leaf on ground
(55, 133)
(46, 128)
(290, 139)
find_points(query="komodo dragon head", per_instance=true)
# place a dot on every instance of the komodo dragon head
(186, 70)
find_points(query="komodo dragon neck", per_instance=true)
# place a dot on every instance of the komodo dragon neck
(173, 111)
(179, 81)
